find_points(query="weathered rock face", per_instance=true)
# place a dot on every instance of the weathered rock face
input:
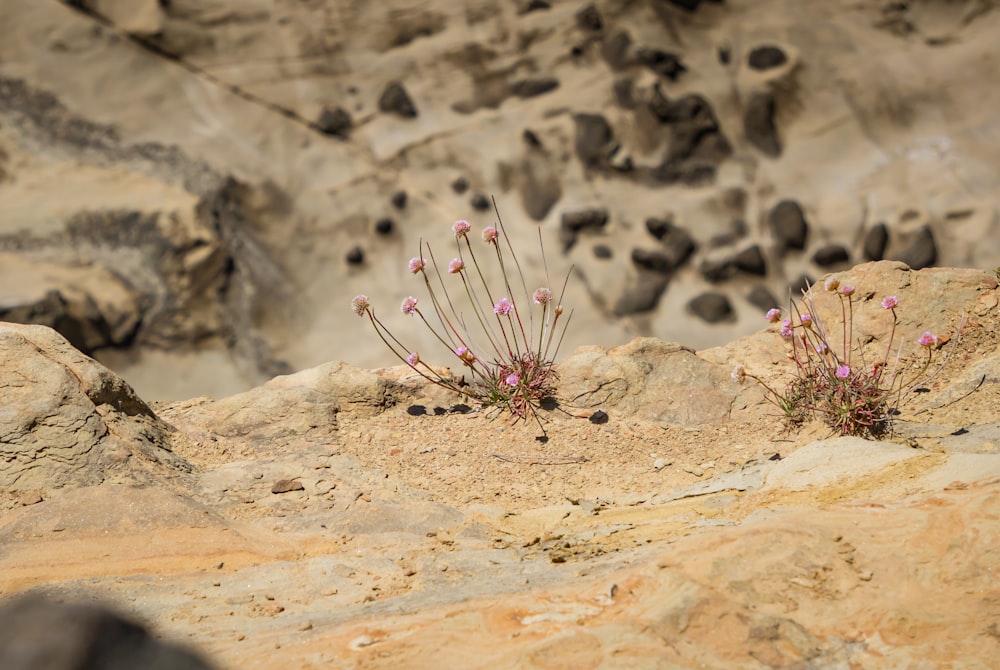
(67, 421)
(231, 166)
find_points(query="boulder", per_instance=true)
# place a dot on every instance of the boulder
(68, 421)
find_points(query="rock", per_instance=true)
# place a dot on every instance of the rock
(788, 224)
(922, 250)
(697, 145)
(531, 138)
(384, 226)
(396, 100)
(287, 486)
(715, 270)
(589, 18)
(642, 294)
(68, 421)
(724, 55)
(603, 252)
(616, 50)
(335, 121)
(356, 256)
(624, 91)
(644, 377)
(751, 260)
(830, 255)
(677, 242)
(761, 298)
(532, 87)
(758, 124)
(538, 183)
(89, 636)
(766, 57)
(534, 6)
(592, 138)
(797, 287)
(480, 202)
(398, 199)
(572, 224)
(653, 261)
(460, 185)
(711, 307)
(688, 5)
(876, 240)
(661, 62)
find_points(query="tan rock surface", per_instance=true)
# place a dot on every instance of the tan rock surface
(313, 530)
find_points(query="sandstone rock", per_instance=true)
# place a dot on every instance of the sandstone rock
(647, 378)
(788, 224)
(642, 294)
(68, 421)
(758, 124)
(533, 87)
(677, 243)
(90, 636)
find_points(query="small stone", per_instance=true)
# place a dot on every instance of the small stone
(876, 240)
(384, 226)
(711, 307)
(661, 463)
(286, 486)
(532, 87)
(598, 417)
(761, 298)
(460, 185)
(615, 50)
(693, 470)
(335, 121)
(830, 255)
(766, 57)
(396, 100)
(663, 63)
(922, 251)
(398, 199)
(592, 138)
(788, 224)
(602, 252)
(589, 18)
(480, 202)
(355, 256)
(751, 260)
(758, 123)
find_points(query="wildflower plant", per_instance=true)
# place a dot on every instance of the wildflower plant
(504, 337)
(833, 382)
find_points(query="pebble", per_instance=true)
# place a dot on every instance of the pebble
(661, 463)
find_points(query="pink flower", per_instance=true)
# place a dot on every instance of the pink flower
(490, 234)
(467, 356)
(847, 290)
(786, 329)
(821, 348)
(417, 264)
(456, 265)
(413, 359)
(503, 307)
(409, 306)
(806, 320)
(889, 302)
(461, 228)
(831, 284)
(773, 315)
(360, 304)
(512, 380)
(928, 339)
(843, 372)
(543, 296)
